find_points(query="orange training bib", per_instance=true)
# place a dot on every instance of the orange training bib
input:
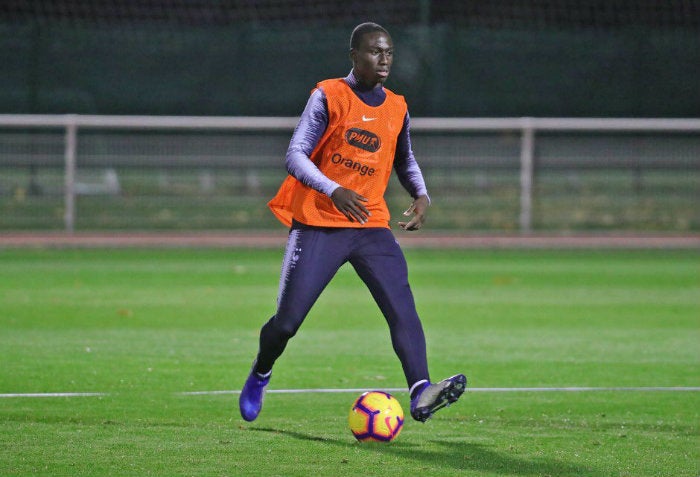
(356, 151)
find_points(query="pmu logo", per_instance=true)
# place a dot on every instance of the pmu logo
(363, 139)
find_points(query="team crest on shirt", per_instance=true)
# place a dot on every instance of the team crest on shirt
(362, 139)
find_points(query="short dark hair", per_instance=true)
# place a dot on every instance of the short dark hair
(362, 29)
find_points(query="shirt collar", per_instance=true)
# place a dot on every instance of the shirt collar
(352, 81)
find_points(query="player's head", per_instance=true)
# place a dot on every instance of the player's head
(372, 53)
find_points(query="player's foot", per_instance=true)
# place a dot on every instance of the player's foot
(251, 398)
(434, 397)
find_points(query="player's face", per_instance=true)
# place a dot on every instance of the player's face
(372, 59)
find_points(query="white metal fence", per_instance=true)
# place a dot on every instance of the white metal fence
(536, 140)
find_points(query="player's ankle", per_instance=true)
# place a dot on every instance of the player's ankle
(417, 388)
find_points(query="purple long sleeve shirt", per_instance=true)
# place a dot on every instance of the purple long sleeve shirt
(311, 127)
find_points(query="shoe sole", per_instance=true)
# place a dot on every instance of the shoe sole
(455, 387)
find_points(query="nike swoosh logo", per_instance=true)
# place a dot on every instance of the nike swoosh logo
(367, 119)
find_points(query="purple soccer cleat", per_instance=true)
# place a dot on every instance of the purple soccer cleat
(434, 397)
(251, 399)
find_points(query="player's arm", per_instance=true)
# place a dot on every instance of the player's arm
(312, 125)
(411, 178)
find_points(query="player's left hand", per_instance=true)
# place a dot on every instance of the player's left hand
(418, 208)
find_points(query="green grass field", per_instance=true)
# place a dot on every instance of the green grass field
(146, 327)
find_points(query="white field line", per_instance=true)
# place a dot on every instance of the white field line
(50, 395)
(391, 390)
(473, 390)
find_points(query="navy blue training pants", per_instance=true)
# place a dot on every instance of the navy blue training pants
(312, 257)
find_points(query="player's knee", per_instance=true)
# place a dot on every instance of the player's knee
(285, 328)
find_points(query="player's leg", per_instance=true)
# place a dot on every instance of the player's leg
(380, 263)
(311, 259)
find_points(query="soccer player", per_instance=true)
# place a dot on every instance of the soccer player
(351, 135)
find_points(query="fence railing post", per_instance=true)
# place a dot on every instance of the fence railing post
(527, 154)
(70, 155)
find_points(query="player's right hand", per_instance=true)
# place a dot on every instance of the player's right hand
(351, 204)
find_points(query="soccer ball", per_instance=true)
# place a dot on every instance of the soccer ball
(376, 416)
